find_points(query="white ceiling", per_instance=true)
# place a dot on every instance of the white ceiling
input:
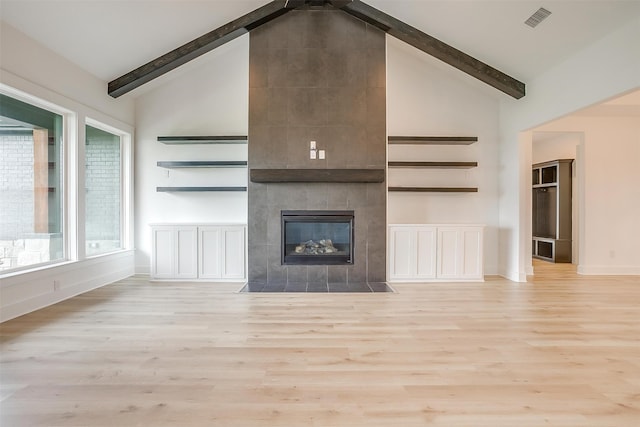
(109, 38)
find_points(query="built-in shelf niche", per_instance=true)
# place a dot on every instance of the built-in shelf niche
(185, 164)
(432, 141)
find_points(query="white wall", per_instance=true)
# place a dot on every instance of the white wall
(211, 99)
(548, 146)
(426, 99)
(607, 68)
(24, 57)
(30, 69)
(610, 236)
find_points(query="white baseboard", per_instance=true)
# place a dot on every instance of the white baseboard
(609, 270)
(514, 276)
(143, 269)
(29, 292)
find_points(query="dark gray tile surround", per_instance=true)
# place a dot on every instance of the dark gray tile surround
(317, 287)
(317, 75)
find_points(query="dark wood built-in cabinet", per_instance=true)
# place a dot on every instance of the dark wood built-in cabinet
(552, 216)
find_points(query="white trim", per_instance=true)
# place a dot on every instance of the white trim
(67, 172)
(33, 287)
(514, 276)
(609, 270)
(55, 284)
(14, 84)
(126, 181)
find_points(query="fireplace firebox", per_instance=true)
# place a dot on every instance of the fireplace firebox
(317, 237)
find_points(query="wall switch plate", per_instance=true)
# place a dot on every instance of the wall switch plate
(312, 154)
(321, 154)
(312, 145)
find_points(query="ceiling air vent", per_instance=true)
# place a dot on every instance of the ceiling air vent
(540, 15)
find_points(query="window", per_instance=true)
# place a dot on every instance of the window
(31, 192)
(103, 191)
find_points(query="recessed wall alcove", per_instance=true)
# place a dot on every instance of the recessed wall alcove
(317, 74)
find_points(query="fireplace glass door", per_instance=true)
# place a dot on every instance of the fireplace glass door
(317, 237)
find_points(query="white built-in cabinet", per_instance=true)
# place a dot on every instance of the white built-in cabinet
(412, 253)
(213, 252)
(435, 252)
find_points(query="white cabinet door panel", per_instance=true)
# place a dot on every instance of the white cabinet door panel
(209, 253)
(412, 253)
(202, 252)
(233, 255)
(471, 263)
(426, 250)
(435, 252)
(402, 253)
(187, 253)
(163, 253)
(448, 253)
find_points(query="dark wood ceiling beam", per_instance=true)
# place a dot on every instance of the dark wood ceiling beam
(195, 48)
(292, 4)
(357, 8)
(436, 48)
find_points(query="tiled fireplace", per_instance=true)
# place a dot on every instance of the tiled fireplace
(317, 75)
(317, 237)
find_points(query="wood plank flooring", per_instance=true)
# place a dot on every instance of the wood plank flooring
(562, 350)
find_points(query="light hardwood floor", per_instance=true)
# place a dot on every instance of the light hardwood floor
(562, 350)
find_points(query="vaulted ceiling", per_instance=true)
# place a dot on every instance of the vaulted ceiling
(110, 38)
(356, 8)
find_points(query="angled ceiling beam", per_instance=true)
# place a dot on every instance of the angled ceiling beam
(195, 48)
(436, 48)
(356, 8)
(292, 4)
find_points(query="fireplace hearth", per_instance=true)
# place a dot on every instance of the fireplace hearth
(317, 237)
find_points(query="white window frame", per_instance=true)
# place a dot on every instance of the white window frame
(126, 188)
(69, 126)
(75, 117)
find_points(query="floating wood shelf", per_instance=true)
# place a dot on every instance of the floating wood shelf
(202, 164)
(176, 140)
(318, 175)
(434, 189)
(440, 165)
(433, 140)
(197, 189)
